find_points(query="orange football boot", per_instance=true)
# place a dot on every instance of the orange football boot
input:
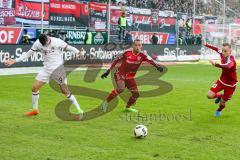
(32, 113)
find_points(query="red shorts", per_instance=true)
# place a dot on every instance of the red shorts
(130, 83)
(228, 91)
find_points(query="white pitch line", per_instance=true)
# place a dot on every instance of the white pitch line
(31, 70)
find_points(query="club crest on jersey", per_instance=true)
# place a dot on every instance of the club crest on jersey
(138, 58)
(44, 51)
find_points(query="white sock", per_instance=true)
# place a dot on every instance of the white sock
(35, 97)
(74, 101)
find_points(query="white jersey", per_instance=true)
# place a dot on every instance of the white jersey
(52, 54)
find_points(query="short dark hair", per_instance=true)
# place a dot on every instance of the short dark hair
(226, 44)
(137, 40)
(43, 39)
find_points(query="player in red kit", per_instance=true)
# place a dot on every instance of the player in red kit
(228, 79)
(129, 61)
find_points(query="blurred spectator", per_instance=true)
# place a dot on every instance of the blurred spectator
(128, 38)
(62, 35)
(88, 37)
(198, 39)
(122, 22)
(25, 37)
(189, 24)
(130, 22)
(180, 39)
(181, 24)
(154, 39)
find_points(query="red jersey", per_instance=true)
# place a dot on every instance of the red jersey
(228, 66)
(131, 62)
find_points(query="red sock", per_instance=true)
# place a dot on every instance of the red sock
(112, 95)
(131, 101)
(221, 107)
(218, 95)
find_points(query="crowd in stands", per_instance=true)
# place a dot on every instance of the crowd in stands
(215, 7)
(173, 5)
(203, 7)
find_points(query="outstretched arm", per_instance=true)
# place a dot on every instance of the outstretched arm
(72, 49)
(78, 53)
(153, 62)
(24, 56)
(116, 61)
(212, 47)
(34, 48)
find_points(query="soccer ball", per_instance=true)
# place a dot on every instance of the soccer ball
(140, 131)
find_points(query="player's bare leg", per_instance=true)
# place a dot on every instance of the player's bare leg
(216, 96)
(120, 88)
(132, 100)
(72, 98)
(35, 97)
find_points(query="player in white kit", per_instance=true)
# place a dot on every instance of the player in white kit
(51, 49)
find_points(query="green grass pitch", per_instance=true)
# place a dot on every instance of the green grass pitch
(197, 136)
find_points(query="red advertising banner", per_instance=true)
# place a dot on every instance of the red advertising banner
(115, 14)
(31, 12)
(146, 36)
(101, 7)
(7, 16)
(98, 15)
(142, 19)
(10, 35)
(65, 8)
(84, 9)
(68, 13)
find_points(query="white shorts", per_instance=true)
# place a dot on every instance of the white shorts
(58, 75)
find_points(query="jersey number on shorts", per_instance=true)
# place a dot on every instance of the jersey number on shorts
(214, 86)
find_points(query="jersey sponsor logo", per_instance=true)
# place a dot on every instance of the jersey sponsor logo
(47, 51)
(133, 62)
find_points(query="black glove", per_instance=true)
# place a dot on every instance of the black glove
(104, 75)
(160, 69)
